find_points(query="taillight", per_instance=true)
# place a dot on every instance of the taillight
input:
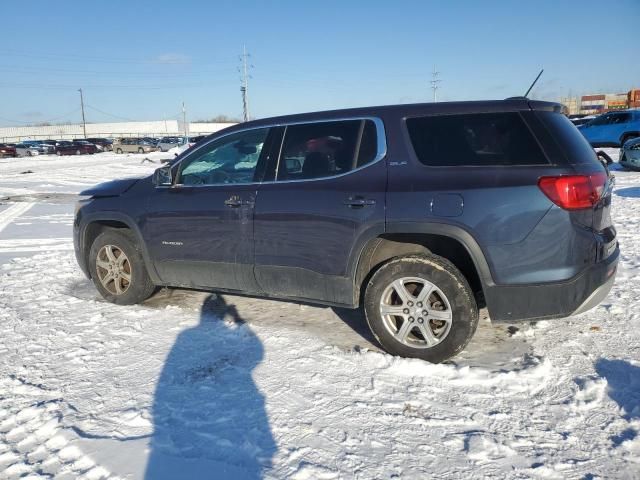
(574, 192)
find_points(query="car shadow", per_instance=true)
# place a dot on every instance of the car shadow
(209, 416)
(623, 379)
(630, 192)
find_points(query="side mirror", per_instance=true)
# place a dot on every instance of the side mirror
(163, 177)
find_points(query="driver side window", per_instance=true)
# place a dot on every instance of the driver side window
(231, 159)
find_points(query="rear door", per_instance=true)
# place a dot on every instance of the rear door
(325, 199)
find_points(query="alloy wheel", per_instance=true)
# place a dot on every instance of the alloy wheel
(114, 269)
(416, 312)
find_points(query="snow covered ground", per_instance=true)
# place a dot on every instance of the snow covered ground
(192, 385)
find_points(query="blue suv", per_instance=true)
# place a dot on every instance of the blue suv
(612, 129)
(419, 214)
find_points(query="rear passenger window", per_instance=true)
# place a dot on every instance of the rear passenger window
(483, 139)
(316, 150)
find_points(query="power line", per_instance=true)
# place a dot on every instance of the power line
(109, 114)
(71, 57)
(131, 87)
(41, 121)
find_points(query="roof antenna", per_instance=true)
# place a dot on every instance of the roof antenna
(533, 84)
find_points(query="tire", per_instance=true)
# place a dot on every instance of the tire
(138, 287)
(59, 153)
(29, 154)
(118, 150)
(626, 138)
(141, 150)
(451, 299)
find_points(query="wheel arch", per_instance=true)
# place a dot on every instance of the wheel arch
(628, 136)
(96, 224)
(448, 241)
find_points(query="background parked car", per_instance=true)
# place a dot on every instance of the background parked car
(42, 147)
(630, 154)
(65, 147)
(85, 146)
(103, 144)
(26, 150)
(578, 120)
(133, 145)
(612, 129)
(167, 143)
(7, 150)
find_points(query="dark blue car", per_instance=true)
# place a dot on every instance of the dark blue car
(420, 214)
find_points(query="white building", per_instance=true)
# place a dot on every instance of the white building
(156, 128)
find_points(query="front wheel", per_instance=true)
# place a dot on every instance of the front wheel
(141, 150)
(421, 306)
(117, 268)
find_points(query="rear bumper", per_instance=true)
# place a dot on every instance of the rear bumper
(553, 300)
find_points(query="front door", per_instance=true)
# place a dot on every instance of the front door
(200, 230)
(326, 201)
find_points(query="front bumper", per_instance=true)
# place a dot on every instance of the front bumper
(553, 300)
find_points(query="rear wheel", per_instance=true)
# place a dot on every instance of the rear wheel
(59, 153)
(141, 150)
(421, 306)
(118, 150)
(117, 268)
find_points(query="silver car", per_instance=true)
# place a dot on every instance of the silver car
(167, 143)
(27, 150)
(133, 145)
(630, 154)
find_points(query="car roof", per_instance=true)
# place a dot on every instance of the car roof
(408, 110)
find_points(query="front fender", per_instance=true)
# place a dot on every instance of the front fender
(105, 218)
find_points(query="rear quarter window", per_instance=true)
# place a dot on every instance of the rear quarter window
(482, 139)
(575, 147)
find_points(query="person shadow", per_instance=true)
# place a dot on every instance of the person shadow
(623, 379)
(209, 417)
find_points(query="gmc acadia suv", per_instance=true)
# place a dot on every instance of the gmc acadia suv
(421, 214)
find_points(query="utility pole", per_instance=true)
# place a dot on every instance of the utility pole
(244, 87)
(434, 83)
(184, 121)
(84, 123)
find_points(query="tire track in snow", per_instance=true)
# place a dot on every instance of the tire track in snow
(13, 212)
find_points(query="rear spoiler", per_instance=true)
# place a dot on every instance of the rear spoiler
(541, 105)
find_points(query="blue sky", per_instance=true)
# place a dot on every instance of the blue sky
(140, 59)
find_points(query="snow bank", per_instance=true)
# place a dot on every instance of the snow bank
(191, 385)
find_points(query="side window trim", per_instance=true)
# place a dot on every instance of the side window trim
(381, 146)
(414, 155)
(381, 150)
(178, 165)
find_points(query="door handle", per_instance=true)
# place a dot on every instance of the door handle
(358, 202)
(233, 202)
